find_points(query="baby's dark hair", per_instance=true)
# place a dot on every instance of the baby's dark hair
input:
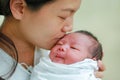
(96, 49)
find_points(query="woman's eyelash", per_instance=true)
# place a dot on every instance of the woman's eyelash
(62, 17)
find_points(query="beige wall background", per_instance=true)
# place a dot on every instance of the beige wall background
(102, 18)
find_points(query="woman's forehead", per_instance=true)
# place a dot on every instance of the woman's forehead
(67, 4)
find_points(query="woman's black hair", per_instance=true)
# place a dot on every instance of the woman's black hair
(4, 7)
(1, 78)
(8, 46)
(32, 4)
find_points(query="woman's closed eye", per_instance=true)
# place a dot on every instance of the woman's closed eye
(62, 17)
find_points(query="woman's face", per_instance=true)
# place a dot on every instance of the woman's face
(46, 26)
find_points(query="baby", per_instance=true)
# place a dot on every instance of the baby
(74, 57)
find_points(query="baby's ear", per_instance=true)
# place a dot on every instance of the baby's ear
(94, 59)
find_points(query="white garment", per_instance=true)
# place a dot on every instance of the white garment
(20, 73)
(47, 70)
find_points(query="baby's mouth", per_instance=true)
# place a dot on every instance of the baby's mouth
(58, 56)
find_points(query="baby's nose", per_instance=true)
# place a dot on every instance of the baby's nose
(63, 48)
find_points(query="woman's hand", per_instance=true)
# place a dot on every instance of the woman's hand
(99, 73)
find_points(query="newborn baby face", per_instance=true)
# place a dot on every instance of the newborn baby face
(70, 49)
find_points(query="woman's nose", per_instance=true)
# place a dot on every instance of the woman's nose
(68, 24)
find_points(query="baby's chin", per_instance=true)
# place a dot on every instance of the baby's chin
(58, 60)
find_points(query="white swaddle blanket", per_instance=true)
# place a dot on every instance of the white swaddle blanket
(47, 70)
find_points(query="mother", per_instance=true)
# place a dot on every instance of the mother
(28, 25)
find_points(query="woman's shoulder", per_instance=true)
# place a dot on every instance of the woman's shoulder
(4, 58)
(7, 64)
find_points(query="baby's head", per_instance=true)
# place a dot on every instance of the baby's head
(75, 47)
(96, 48)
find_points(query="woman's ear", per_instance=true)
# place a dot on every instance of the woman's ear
(17, 8)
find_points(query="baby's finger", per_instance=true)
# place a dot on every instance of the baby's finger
(98, 74)
(101, 65)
